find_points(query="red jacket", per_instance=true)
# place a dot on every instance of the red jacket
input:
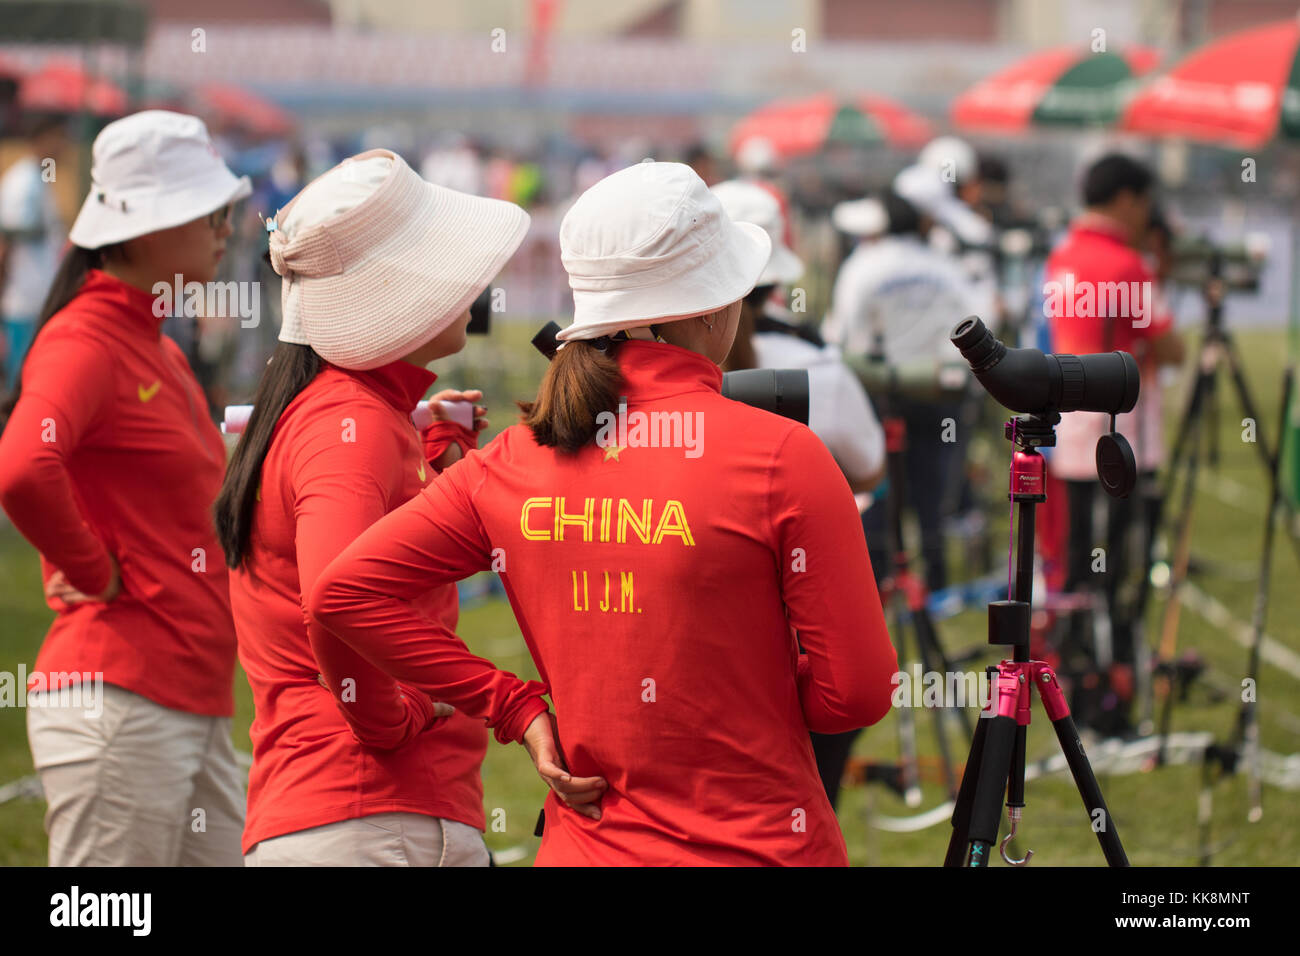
(110, 450)
(343, 455)
(1096, 258)
(658, 589)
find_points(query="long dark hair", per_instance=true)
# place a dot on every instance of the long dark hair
(291, 369)
(76, 263)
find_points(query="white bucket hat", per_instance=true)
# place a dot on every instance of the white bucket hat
(949, 154)
(748, 202)
(376, 261)
(651, 244)
(861, 217)
(149, 171)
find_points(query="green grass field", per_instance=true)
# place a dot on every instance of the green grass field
(1155, 811)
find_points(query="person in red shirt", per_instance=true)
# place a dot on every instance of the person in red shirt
(1100, 295)
(109, 463)
(350, 767)
(689, 573)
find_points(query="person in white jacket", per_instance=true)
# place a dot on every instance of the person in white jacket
(898, 295)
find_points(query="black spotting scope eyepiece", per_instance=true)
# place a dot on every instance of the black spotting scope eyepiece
(1027, 380)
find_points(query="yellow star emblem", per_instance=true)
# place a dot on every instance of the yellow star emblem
(421, 472)
(611, 451)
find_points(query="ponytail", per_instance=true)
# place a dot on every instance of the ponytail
(75, 265)
(291, 369)
(581, 382)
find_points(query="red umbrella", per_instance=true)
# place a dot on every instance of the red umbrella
(68, 88)
(1065, 86)
(227, 105)
(798, 126)
(1239, 91)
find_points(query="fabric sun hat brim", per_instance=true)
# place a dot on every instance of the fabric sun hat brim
(105, 222)
(728, 275)
(398, 269)
(783, 266)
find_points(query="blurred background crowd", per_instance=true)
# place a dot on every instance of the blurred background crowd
(534, 101)
(954, 142)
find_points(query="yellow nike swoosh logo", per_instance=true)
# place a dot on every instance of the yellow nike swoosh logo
(147, 393)
(421, 473)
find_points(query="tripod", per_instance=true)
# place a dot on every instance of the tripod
(1217, 346)
(904, 595)
(1244, 743)
(996, 765)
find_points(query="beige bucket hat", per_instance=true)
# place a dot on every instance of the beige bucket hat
(376, 261)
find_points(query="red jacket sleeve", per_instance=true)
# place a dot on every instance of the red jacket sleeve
(340, 489)
(365, 595)
(829, 590)
(438, 436)
(67, 396)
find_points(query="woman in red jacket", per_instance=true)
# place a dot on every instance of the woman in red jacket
(666, 551)
(109, 464)
(379, 271)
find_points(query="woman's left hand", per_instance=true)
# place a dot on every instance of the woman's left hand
(579, 793)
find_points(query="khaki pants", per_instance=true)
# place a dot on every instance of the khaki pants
(136, 785)
(380, 839)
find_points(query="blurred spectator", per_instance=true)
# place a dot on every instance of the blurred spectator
(964, 229)
(897, 296)
(1098, 254)
(700, 159)
(993, 201)
(32, 235)
(757, 163)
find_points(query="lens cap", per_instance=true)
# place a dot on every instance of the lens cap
(1116, 466)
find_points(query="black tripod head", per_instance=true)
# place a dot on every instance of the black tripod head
(1031, 431)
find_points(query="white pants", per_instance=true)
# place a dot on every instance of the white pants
(136, 785)
(380, 839)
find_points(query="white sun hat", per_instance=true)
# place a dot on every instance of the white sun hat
(756, 155)
(376, 261)
(150, 171)
(861, 217)
(951, 155)
(927, 189)
(651, 244)
(748, 202)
